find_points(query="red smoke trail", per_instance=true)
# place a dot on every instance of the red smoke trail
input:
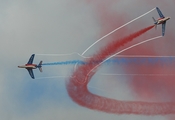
(107, 51)
(80, 94)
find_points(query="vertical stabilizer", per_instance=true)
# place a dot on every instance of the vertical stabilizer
(154, 20)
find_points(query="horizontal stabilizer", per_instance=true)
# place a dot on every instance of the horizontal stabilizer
(40, 69)
(40, 66)
(154, 20)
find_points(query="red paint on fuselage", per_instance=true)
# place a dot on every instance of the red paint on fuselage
(162, 20)
(31, 65)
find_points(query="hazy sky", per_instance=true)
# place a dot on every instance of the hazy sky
(58, 27)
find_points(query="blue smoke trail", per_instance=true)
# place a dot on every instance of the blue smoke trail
(152, 61)
(65, 63)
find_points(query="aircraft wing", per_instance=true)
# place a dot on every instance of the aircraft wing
(31, 59)
(163, 28)
(31, 73)
(160, 13)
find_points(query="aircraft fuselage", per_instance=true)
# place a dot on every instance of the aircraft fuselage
(28, 66)
(162, 20)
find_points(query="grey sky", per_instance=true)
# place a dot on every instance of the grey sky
(56, 26)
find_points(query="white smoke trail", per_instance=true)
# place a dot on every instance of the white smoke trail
(148, 40)
(66, 54)
(82, 55)
(110, 58)
(66, 76)
(116, 30)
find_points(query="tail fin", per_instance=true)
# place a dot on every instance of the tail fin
(154, 20)
(40, 66)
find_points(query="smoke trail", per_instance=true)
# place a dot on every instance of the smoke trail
(118, 29)
(80, 94)
(73, 62)
(125, 59)
(66, 54)
(109, 51)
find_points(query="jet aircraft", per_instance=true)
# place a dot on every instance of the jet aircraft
(30, 66)
(162, 20)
